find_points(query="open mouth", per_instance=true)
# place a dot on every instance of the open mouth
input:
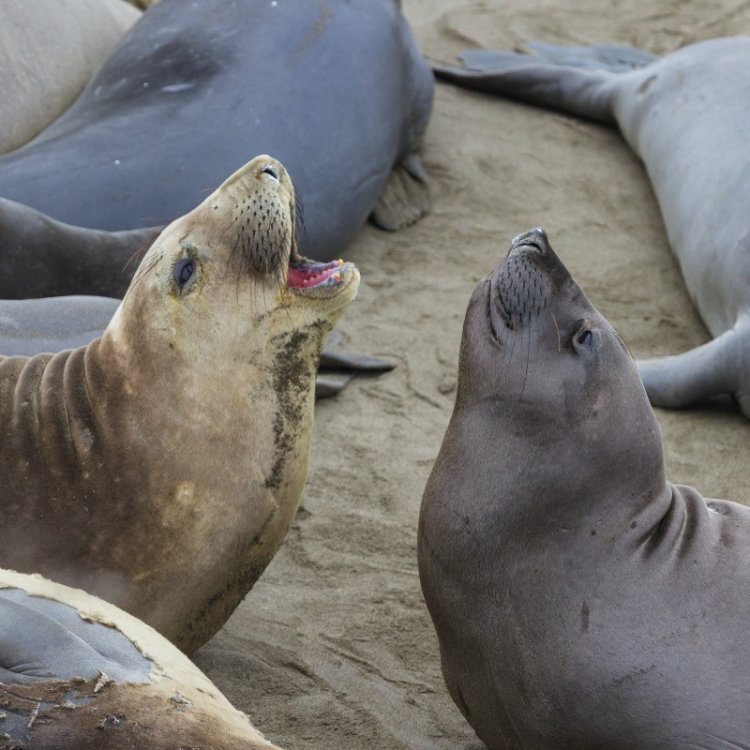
(306, 274)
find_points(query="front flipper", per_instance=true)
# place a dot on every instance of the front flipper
(406, 197)
(721, 366)
(337, 368)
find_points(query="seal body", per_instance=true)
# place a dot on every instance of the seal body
(49, 49)
(580, 599)
(339, 91)
(160, 466)
(79, 673)
(52, 324)
(684, 115)
(41, 257)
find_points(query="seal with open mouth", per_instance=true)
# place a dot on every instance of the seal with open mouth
(77, 673)
(160, 466)
(580, 599)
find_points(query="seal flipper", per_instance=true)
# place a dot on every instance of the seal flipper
(406, 197)
(718, 367)
(329, 384)
(570, 79)
(615, 58)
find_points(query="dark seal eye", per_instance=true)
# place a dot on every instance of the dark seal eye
(585, 338)
(183, 272)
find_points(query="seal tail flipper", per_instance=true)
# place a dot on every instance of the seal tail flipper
(718, 367)
(571, 79)
(406, 197)
(615, 58)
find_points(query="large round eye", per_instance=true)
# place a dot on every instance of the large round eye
(184, 270)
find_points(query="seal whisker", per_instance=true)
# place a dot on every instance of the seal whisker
(557, 328)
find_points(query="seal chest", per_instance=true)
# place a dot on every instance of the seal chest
(173, 450)
(575, 592)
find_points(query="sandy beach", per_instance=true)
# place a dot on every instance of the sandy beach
(334, 647)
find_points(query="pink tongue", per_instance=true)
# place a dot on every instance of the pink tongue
(312, 275)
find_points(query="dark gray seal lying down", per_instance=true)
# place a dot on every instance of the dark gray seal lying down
(77, 673)
(686, 116)
(338, 91)
(580, 599)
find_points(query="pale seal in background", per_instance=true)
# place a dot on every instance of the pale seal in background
(580, 599)
(49, 49)
(160, 466)
(77, 673)
(339, 91)
(686, 116)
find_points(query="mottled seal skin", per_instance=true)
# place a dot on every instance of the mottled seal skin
(41, 257)
(77, 673)
(580, 599)
(337, 90)
(160, 466)
(685, 115)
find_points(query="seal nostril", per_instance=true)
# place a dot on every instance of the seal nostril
(268, 169)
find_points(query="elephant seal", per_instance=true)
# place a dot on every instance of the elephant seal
(160, 466)
(579, 598)
(337, 90)
(77, 673)
(685, 116)
(49, 49)
(41, 257)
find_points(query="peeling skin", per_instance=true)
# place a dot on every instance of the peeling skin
(160, 466)
(72, 713)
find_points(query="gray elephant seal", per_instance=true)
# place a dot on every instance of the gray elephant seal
(686, 118)
(579, 598)
(41, 257)
(77, 673)
(230, 79)
(160, 466)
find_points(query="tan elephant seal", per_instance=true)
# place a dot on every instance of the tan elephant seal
(580, 599)
(49, 49)
(77, 673)
(160, 466)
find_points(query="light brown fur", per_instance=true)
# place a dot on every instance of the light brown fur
(160, 466)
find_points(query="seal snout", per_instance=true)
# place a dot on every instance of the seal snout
(535, 239)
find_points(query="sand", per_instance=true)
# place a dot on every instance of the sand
(334, 647)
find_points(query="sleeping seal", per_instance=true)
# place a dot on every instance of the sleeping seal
(77, 673)
(580, 599)
(685, 115)
(337, 90)
(160, 466)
